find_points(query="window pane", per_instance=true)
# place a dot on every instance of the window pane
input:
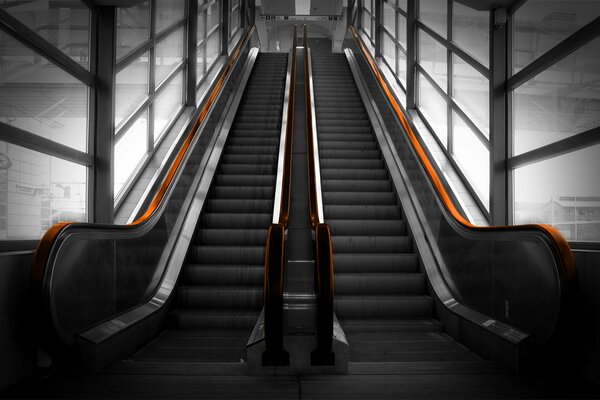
(402, 67)
(389, 51)
(389, 18)
(433, 57)
(235, 21)
(562, 191)
(131, 88)
(367, 5)
(64, 24)
(133, 27)
(213, 49)
(201, 26)
(167, 105)
(472, 157)
(542, 24)
(471, 91)
(129, 151)
(402, 30)
(213, 16)
(560, 102)
(434, 13)
(200, 63)
(168, 53)
(434, 108)
(39, 97)
(403, 4)
(168, 12)
(37, 191)
(471, 32)
(366, 23)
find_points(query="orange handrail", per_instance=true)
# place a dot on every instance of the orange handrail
(559, 244)
(47, 241)
(286, 191)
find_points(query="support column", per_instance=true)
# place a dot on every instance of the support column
(377, 33)
(498, 108)
(225, 27)
(103, 137)
(192, 45)
(411, 53)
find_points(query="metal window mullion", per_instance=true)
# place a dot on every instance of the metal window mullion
(39, 45)
(28, 140)
(580, 141)
(224, 27)
(411, 55)
(165, 82)
(125, 61)
(192, 48)
(151, 79)
(92, 115)
(482, 69)
(130, 120)
(433, 83)
(167, 31)
(480, 135)
(575, 41)
(509, 117)
(499, 181)
(378, 22)
(449, 83)
(104, 115)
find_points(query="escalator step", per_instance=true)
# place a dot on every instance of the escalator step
(374, 227)
(381, 306)
(237, 206)
(233, 237)
(356, 262)
(220, 296)
(379, 284)
(233, 221)
(212, 254)
(206, 318)
(223, 274)
(371, 244)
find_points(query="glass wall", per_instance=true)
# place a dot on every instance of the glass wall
(208, 37)
(149, 82)
(44, 117)
(555, 118)
(393, 39)
(453, 86)
(367, 22)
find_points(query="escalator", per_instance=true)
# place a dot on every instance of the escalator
(220, 291)
(381, 296)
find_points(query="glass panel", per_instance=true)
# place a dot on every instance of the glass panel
(213, 16)
(472, 157)
(562, 191)
(200, 63)
(434, 108)
(389, 18)
(433, 57)
(37, 191)
(403, 4)
(402, 30)
(367, 5)
(167, 105)
(133, 27)
(168, 12)
(201, 26)
(131, 87)
(471, 91)
(213, 49)
(388, 49)
(402, 67)
(129, 151)
(168, 53)
(366, 23)
(560, 102)
(65, 24)
(471, 32)
(39, 97)
(434, 13)
(542, 24)
(235, 22)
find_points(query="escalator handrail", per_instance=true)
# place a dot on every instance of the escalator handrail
(46, 247)
(559, 246)
(286, 178)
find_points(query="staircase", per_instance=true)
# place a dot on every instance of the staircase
(220, 289)
(381, 296)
